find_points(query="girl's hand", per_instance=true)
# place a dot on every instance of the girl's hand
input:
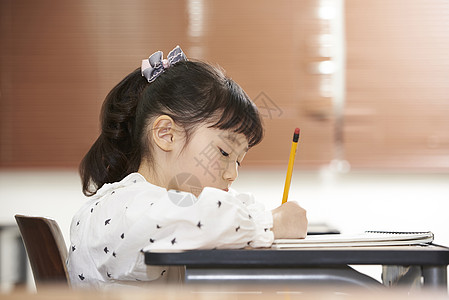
(289, 221)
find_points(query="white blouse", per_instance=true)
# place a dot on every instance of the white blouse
(110, 232)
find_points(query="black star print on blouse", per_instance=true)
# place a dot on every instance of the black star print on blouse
(108, 274)
(173, 241)
(219, 203)
(163, 271)
(106, 250)
(158, 227)
(199, 225)
(107, 222)
(92, 210)
(122, 236)
(81, 276)
(77, 223)
(237, 228)
(114, 254)
(73, 248)
(152, 241)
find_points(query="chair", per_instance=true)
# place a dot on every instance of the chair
(46, 250)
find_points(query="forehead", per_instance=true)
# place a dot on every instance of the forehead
(233, 139)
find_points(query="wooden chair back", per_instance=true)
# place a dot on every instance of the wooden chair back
(46, 249)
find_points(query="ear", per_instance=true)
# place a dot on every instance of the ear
(164, 133)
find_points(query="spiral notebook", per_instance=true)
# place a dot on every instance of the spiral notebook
(367, 238)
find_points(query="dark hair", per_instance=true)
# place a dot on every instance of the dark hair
(190, 92)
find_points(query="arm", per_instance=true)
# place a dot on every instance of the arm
(215, 220)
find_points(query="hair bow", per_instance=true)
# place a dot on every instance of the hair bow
(155, 65)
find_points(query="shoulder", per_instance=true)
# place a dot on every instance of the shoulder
(133, 191)
(132, 180)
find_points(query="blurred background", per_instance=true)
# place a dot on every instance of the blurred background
(366, 81)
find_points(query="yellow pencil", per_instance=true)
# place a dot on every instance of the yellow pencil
(291, 161)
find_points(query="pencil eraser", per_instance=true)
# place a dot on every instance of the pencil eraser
(296, 135)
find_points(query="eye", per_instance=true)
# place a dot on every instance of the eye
(223, 152)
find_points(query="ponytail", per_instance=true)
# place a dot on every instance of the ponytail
(116, 152)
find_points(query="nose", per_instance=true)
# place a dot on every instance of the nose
(231, 172)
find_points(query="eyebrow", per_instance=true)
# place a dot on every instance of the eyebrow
(233, 139)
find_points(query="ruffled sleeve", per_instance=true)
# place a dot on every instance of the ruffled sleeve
(216, 219)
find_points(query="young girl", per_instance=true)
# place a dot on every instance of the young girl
(174, 133)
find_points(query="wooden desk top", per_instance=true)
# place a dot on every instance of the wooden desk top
(223, 292)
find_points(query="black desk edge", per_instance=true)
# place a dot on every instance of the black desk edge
(434, 256)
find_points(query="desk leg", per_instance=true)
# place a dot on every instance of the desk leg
(407, 276)
(435, 277)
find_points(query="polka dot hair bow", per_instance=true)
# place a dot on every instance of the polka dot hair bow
(155, 65)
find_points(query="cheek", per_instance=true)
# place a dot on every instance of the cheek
(208, 170)
(204, 162)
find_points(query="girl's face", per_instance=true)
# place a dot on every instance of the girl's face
(210, 159)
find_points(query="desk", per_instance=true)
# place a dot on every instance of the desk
(282, 265)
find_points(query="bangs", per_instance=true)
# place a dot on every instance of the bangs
(240, 114)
